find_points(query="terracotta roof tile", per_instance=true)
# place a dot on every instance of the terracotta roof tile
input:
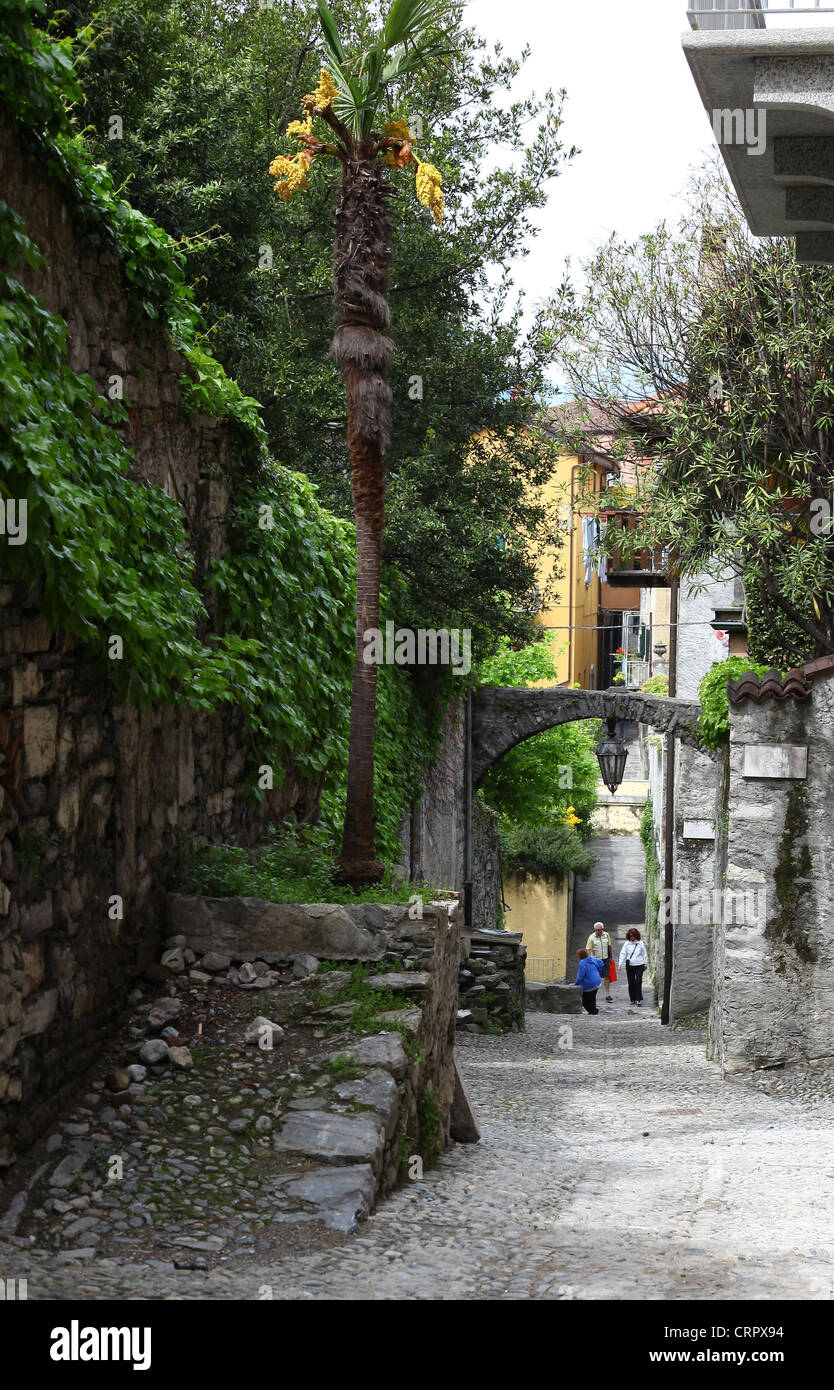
(770, 686)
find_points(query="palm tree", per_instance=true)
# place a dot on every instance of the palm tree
(348, 98)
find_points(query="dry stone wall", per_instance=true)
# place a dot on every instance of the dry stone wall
(492, 990)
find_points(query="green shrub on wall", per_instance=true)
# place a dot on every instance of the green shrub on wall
(715, 705)
(543, 851)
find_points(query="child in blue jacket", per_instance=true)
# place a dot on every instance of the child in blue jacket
(588, 977)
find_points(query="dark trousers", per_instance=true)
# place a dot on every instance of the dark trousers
(589, 1001)
(635, 981)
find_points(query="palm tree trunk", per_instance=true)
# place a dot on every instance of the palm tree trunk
(363, 236)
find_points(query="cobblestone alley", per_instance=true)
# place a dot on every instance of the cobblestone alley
(614, 1163)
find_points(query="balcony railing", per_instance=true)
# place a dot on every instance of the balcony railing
(748, 14)
(628, 567)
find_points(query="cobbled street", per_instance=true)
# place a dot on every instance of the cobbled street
(614, 1163)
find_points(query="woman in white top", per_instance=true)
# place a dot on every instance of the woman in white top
(635, 957)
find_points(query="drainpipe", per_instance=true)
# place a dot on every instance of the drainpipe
(669, 806)
(467, 809)
(571, 606)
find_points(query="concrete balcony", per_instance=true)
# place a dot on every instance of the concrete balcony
(769, 96)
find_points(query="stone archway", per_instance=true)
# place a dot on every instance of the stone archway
(503, 716)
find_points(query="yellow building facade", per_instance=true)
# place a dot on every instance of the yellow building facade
(571, 610)
(541, 910)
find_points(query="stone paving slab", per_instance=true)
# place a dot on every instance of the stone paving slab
(380, 1050)
(320, 1134)
(342, 1197)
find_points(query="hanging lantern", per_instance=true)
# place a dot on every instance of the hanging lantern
(611, 754)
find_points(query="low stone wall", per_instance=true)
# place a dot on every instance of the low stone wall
(556, 998)
(287, 1092)
(618, 815)
(274, 934)
(492, 982)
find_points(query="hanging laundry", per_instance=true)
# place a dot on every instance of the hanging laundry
(590, 532)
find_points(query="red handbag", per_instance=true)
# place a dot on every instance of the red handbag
(612, 971)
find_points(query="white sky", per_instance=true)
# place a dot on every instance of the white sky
(632, 107)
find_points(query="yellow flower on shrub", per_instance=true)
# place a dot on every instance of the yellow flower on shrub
(572, 818)
(430, 189)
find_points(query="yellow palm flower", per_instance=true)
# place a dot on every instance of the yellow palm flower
(398, 130)
(430, 189)
(301, 127)
(291, 174)
(324, 95)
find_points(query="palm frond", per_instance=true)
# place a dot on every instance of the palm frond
(413, 59)
(416, 33)
(331, 33)
(407, 19)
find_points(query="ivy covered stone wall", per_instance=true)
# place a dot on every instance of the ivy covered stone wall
(95, 794)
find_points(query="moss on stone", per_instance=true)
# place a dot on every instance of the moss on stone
(431, 1139)
(791, 879)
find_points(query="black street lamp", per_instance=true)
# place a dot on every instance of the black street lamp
(611, 755)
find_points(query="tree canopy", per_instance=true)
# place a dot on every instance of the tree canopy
(712, 354)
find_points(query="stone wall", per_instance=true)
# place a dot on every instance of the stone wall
(699, 807)
(492, 982)
(432, 836)
(558, 997)
(620, 814)
(487, 894)
(653, 932)
(774, 996)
